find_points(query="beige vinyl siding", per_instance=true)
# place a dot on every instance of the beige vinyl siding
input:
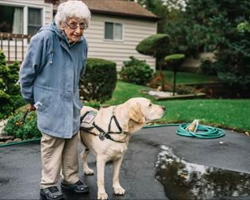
(47, 12)
(134, 31)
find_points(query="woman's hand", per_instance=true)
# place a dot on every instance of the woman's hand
(31, 107)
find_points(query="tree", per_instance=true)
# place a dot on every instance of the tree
(208, 26)
(212, 26)
(157, 7)
(174, 61)
(205, 26)
(171, 21)
(156, 46)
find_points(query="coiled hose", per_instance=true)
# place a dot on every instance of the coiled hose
(202, 131)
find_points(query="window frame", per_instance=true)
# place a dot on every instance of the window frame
(114, 39)
(42, 16)
(25, 13)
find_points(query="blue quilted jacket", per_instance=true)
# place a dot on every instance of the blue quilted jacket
(49, 78)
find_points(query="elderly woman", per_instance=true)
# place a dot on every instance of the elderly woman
(49, 78)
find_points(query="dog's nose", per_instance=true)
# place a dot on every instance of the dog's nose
(163, 107)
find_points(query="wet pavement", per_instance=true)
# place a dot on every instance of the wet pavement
(159, 164)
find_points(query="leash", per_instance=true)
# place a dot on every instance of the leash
(24, 116)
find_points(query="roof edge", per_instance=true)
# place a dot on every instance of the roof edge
(153, 18)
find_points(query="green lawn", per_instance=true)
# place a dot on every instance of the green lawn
(189, 78)
(232, 114)
(124, 91)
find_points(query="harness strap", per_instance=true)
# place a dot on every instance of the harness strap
(82, 117)
(110, 138)
(88, 130)
(117, 124)
(104, 134)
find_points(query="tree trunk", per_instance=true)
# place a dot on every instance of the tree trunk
(162, 77)
(174, 88)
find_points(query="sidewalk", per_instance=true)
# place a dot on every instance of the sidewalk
(141, 168)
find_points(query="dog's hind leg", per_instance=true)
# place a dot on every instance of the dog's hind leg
(84, 156)
(116, 182)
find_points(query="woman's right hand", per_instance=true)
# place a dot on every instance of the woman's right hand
(31, 107)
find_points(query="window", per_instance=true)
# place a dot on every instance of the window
(113, 31)
(12, 20)
(34, 20)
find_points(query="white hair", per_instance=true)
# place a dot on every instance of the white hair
(72, 8)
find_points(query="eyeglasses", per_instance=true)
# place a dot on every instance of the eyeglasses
(75, 25)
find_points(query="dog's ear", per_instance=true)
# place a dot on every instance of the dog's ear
(136, 114)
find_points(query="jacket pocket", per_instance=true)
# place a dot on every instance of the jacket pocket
(43, 104)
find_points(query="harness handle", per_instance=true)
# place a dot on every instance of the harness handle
(116, 122)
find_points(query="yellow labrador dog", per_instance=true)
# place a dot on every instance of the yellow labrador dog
(107, 132)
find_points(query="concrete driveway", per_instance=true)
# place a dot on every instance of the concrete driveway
(158, 165)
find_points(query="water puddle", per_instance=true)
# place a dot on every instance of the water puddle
(183, 180)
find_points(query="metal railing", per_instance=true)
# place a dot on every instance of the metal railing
(18, 41)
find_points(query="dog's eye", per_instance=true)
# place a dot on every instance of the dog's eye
(150, 105)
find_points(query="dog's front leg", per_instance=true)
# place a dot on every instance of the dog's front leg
(116, 182)
(100, 178)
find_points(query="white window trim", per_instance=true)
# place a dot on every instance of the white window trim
(114, 40)
(42, 12)
(25, 21)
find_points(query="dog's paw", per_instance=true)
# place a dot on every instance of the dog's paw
(88, 172)
(119, 191)
(102, 196)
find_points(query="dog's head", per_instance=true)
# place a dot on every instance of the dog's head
(140, 111)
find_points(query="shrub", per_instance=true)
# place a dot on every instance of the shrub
(174, 57)
(156, 82)
(174, 63)
(10, 97)
(93, 104)
(5, 107)
(99, 80)
(136, 71)
(28, 130)
(207, 67)
(154, 45)
(183, 89)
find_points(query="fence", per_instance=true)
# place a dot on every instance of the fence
(14, 46)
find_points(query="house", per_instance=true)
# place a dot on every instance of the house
(116, 27)
(20, 18)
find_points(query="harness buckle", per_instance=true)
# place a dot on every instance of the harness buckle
(102, 136)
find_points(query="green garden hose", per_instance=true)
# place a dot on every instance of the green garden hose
(202, 131)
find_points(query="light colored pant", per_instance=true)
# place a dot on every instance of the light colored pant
(58, 154)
